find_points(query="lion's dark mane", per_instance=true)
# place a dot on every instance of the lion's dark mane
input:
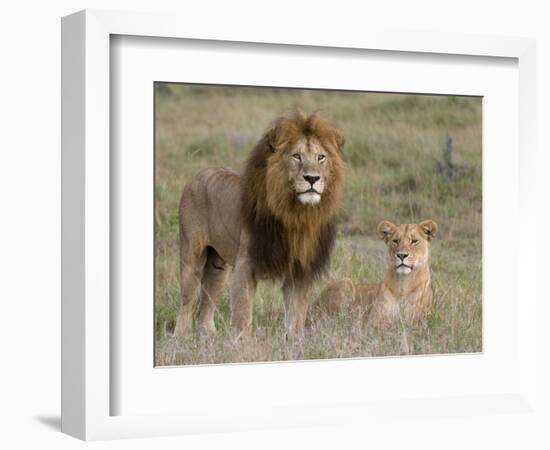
(269, 248)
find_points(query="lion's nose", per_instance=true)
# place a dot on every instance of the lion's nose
(402, 255)
(311, 179)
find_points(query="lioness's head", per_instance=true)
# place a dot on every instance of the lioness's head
(407, 244)
(305, 160)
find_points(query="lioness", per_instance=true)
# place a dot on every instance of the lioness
(406, 291)
(275, 221)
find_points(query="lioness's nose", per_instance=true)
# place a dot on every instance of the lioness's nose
(311, 179)
(402, 255)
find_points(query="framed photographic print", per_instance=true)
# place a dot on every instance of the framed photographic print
(255, 227)
(395, 158)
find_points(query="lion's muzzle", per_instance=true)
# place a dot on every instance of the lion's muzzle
(309, 189)
(309, 197)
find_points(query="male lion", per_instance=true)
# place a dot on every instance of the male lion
(275, 221)
(406, 291)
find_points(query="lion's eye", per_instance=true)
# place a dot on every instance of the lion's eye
(414, 241)
(395, 241)
(321, 158)
(297, 157)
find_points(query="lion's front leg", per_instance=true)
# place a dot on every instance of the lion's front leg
(297, 298)
(243, 289)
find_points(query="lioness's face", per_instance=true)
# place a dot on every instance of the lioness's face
(307, 162)
(408, 244)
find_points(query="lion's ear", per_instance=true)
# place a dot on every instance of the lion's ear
(385, 230)
(340, 140)
(429, 228)
(279, 133)
(271, 138)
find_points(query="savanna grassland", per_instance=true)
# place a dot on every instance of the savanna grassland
(396, 170)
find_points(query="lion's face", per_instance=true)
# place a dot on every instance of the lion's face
(304, 169)
(306, 163)
(408, 244)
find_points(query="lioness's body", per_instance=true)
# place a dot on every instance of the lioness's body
(275, 221)
(406, 290)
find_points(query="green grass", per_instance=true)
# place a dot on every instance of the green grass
(392, 143)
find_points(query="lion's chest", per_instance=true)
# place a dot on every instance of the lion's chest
(277, 250)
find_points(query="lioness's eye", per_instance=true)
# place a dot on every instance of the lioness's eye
(297, 157)
(395, 241)
(414, 241)
(321, 157)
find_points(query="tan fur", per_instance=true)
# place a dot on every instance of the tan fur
(266, 224)
(404, 294)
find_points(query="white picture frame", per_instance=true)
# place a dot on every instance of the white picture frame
(87, 328)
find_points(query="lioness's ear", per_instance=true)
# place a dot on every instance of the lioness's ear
(429, 228)
(385, 230)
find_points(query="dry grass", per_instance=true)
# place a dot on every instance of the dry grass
(392, 142)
